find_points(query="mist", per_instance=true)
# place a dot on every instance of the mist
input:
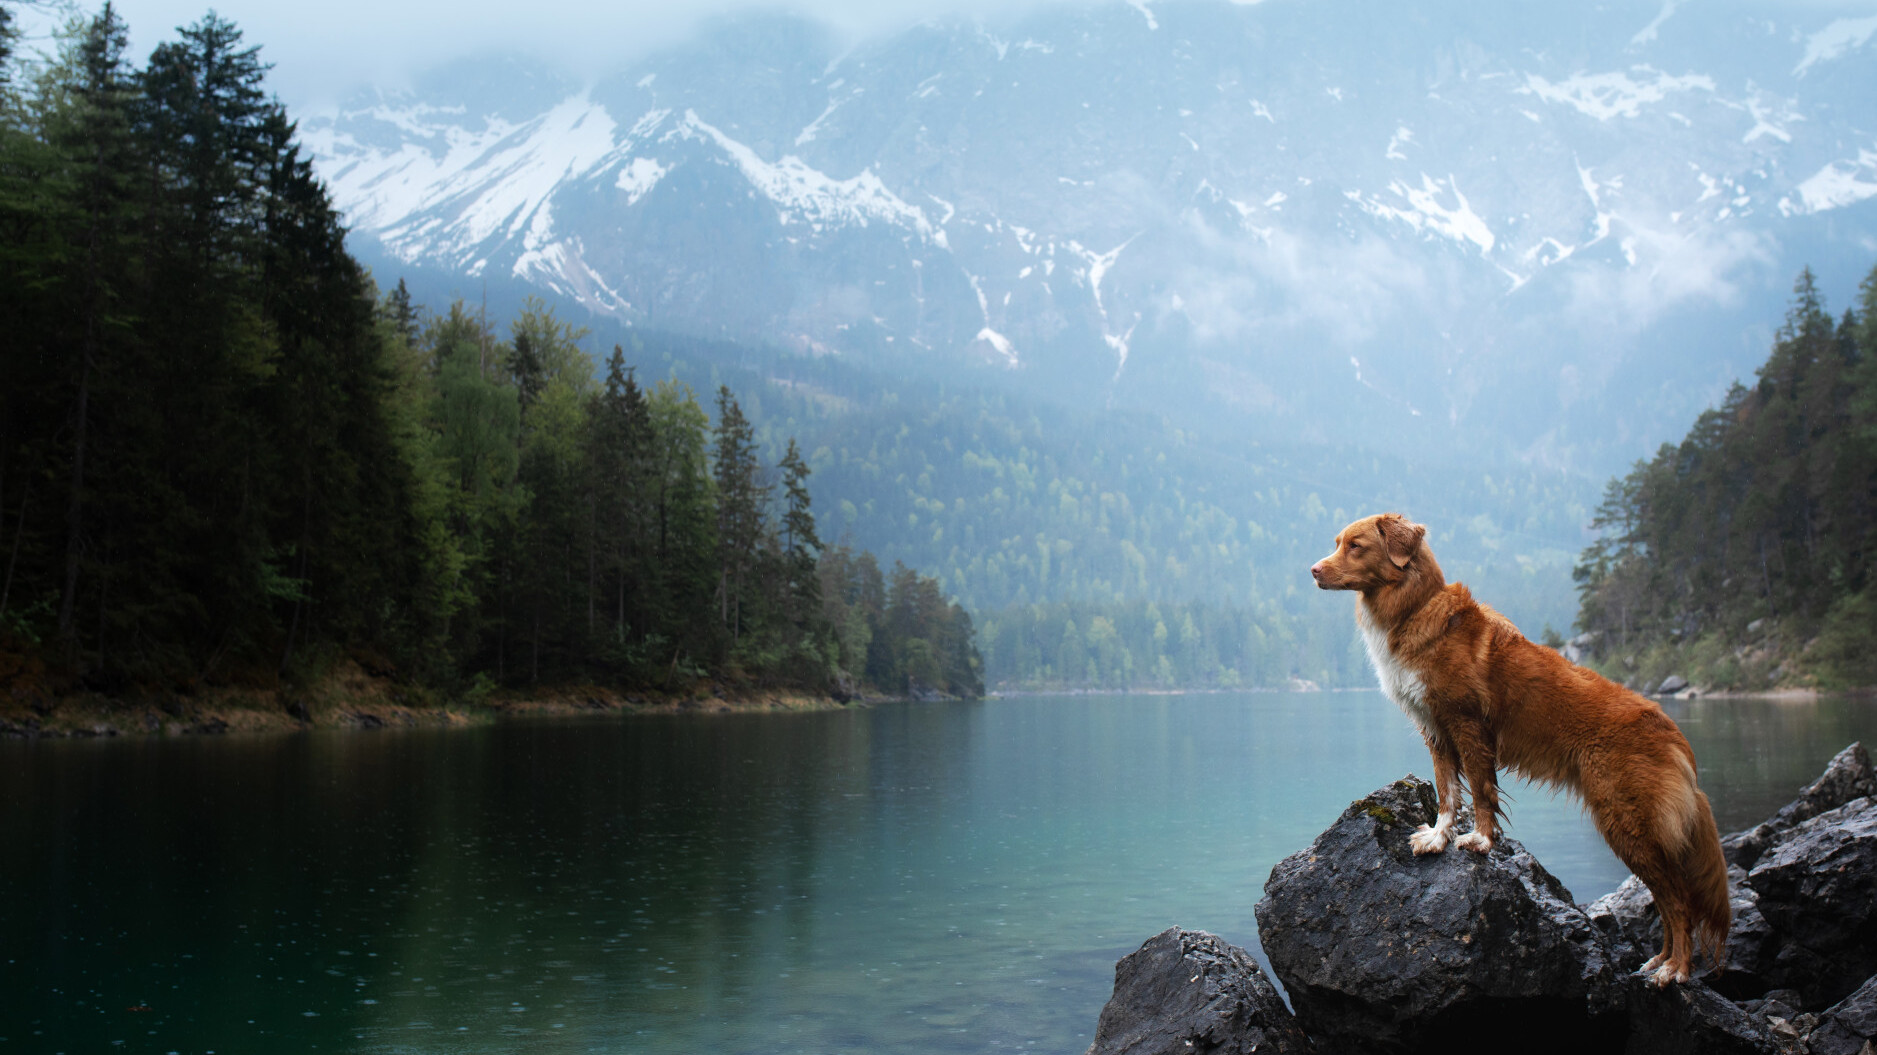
(321, 53)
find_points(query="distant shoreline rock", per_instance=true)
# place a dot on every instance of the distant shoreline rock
(1384, 951)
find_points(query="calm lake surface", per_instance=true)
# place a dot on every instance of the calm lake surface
(911, 878)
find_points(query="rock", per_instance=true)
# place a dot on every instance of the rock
(1382, 950)
(1627, 917)
(843, 688)
(1817, 887)
(1755, 626)
(1690, 1019)
(1187, 991)
(1848, 776)
(1672, 684)
(1848, 1027)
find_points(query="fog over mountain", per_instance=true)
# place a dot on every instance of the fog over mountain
(1545, 233)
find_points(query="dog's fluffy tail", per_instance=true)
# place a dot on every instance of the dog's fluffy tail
(1704, 870)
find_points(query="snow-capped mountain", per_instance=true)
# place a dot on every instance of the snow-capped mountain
(1558, 231)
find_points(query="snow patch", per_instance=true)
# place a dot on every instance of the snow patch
(1098, 266)
(1147, 12)
(479, 186)
(1764, 127)
(1548, 251)
(1841, 36)
(1593, 191)
(814, 127)
(1401, 137)
(1259, 109)
(639, 176)
(1001, 343)
(811, 196)
(1424, 211)
(1646, 34)
(1836, 185)
(1607, 95)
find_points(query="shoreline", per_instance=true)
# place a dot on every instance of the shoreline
(351, 699)
(354, 700)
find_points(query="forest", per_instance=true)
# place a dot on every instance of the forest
(227, 458)
(1741, 558)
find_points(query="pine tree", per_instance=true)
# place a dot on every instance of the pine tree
(801, 544)
(740, 501)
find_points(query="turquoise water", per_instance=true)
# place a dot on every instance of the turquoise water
(910, 878)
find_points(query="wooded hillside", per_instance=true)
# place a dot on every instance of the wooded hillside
(226, 459)
(1741, 558)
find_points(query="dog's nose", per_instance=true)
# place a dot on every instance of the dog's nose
(1316, 571)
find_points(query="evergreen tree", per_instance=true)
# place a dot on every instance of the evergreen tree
(741, 498)
(1760, 516)
(225, 458)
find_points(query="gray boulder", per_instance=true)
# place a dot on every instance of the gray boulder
(1689, 1019)
(1817, 888)
(1382, 950)
(1672, 683)
(1848, 776)
(1187, 991)
(1628, 920)
(1848, 1027)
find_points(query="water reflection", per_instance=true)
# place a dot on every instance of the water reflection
(909, 878)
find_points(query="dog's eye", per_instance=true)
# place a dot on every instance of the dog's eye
(1353, 546)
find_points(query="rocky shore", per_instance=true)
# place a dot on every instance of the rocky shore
(1383, 951)
(351, 697)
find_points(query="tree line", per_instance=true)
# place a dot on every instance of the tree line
(1166, 645)
(1743, 555)
(226, 458)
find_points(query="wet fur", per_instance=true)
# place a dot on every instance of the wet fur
(1485, 697)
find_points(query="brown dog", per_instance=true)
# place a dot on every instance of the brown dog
(1483, 696)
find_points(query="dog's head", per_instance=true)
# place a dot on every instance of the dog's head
(1371, 553)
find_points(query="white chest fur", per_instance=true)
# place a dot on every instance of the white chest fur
(1401, 683)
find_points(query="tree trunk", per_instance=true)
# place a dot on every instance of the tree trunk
(13, 559)
(74, 509)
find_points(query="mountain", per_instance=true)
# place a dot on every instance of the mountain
(1529, 233)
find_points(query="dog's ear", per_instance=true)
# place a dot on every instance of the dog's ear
(1400, 537)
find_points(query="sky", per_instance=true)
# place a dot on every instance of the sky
(321, 51)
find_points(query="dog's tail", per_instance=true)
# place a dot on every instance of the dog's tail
(1704, 870)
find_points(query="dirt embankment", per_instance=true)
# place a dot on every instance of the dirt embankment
(347, 697)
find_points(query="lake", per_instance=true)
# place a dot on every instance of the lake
(917, 878)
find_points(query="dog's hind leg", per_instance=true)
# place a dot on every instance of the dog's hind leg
(1672, 963)
(1432, 840)
(1632, 826)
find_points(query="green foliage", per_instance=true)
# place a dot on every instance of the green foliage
(1729, 553)
(223, 457)
(1149, 645)
(1014, 504)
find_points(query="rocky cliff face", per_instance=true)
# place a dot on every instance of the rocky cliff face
(1382, 951)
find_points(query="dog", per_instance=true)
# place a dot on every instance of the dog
(1483, 697)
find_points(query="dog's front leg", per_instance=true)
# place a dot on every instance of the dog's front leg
(1426, 840)
(1481, 765)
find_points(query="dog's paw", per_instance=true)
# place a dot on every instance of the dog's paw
(1475, 842)
(1426, 840)
(1666, 975)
